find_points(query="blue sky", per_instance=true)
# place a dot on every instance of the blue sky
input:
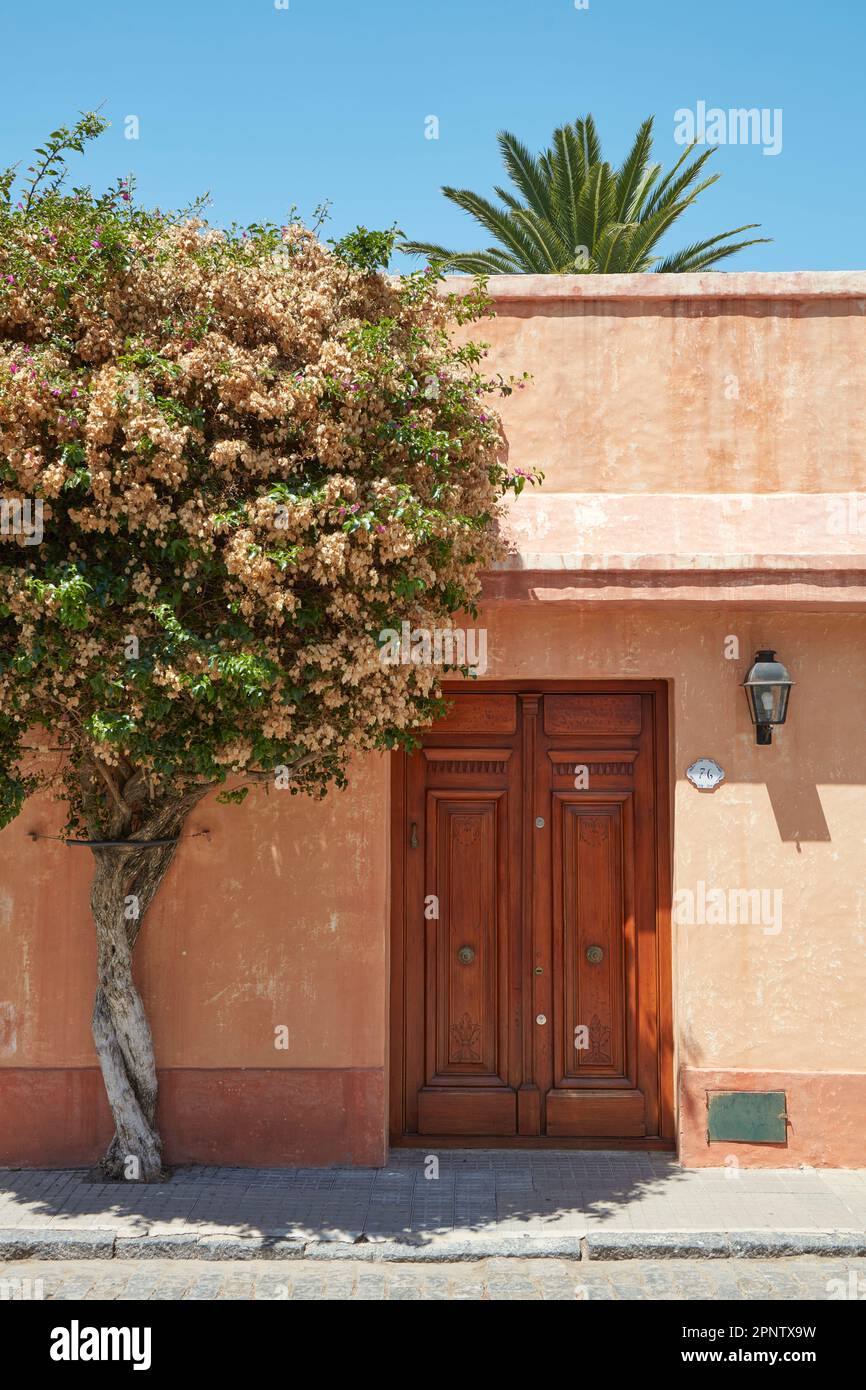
(328, 99)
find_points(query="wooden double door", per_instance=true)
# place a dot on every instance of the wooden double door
(531, 967)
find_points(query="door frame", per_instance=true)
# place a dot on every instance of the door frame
(666, 1139)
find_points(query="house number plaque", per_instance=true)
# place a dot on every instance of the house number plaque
(705, 774)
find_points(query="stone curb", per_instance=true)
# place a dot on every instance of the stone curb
(29, 1243)
(192, 1246)
(450, 1249)
(720, 1245)
(105, 1244)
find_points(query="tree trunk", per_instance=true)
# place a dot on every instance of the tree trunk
(125, 882)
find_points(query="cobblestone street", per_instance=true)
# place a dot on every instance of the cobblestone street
(494, 1279)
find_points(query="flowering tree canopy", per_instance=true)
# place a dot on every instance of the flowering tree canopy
(228, 461)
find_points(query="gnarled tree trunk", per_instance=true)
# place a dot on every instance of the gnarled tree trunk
(125, 882)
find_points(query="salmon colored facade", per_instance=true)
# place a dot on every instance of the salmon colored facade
(704, 445)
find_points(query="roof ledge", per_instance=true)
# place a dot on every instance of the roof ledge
(741, 284)
(687, 547)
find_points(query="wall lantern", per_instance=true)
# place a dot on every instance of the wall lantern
(767, 686)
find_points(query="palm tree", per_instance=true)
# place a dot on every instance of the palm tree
(578, 215)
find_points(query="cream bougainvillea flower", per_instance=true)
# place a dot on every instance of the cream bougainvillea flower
(255, 452)
(229, 462)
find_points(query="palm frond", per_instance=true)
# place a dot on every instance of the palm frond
(588, 143)
(643, 191)
(525, 173)
(500, 223)
(565, 169)
(508, 198)
(654, 224)
(547, 241)
(705, 253)
(630, 174)
(612, 248)
(493, 261)
(595, 206)
(671, 187)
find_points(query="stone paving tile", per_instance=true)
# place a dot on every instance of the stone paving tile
(172, 1287)
(370, 1284)
(142, 1283)
(238, 1286)
(77, 1286)
(204, 1288)
(494, 1191)
(405, 1290)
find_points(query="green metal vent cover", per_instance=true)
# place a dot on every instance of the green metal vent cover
(747, 1117)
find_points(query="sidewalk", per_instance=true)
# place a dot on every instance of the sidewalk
(591, 1205)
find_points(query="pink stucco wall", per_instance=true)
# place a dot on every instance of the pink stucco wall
(701, 441)
(694, 383)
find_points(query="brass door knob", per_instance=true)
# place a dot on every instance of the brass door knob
(594, 954)
(466, 955)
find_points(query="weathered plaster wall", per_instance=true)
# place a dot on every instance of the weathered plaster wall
(280, 915)
(789, 817)
(786, 993)
(673, 388)
(276, 917)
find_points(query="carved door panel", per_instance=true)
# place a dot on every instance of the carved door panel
(596, 877)
(526, 997)
(463, 977)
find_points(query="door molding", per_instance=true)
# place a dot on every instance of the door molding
(530, 694)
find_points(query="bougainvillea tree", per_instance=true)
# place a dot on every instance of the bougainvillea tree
(249, 453)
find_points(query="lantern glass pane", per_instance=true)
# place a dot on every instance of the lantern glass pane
(768, 686)
(768, 703)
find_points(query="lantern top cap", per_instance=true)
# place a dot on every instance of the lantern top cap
(766, 670)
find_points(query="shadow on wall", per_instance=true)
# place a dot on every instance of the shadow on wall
(797, 808)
